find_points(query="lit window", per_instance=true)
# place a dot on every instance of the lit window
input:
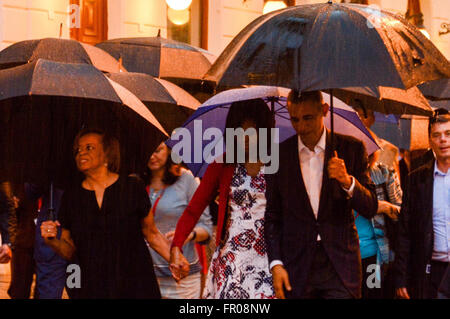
(185, 25)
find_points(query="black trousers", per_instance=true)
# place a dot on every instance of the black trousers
(437, 273)
(324, 281)
(22, 270)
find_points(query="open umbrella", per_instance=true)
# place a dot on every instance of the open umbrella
(328, 46)
(386, 100)
(59, 50)
(160, 57)
(44, 104)
(438, 92)
(170, 104)
(213, 113)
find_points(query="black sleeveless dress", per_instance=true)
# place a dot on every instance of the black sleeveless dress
(110, 248)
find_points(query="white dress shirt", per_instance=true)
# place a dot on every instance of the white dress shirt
(312, 165)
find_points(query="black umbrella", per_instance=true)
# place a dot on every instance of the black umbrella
(160, 57)
(445, 104)
(59, 50)
(327, 46)
(44, 105)
(437, 90)
(170, 104)
(386, 100)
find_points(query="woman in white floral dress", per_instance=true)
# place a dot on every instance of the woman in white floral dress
(239, 267)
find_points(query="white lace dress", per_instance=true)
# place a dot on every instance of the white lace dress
(239, 267)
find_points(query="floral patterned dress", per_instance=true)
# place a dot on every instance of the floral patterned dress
(239, 267)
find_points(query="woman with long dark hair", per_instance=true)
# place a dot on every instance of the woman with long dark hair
(239, 267)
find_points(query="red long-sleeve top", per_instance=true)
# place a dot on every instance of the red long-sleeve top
(217, 177)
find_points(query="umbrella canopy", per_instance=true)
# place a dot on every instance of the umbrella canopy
(44, 104)
(386, 100)
(59, 50)
(213, 113)
(160, 57)
(327, 46)
(445, 104)
(170, 104)
(436, 90)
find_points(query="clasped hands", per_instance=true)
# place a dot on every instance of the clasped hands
(179, 266)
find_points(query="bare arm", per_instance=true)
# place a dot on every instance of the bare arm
(64, 246)
(154, 237)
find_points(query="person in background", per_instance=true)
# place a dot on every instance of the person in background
(423, 250)
(404, 165)
(376, 234)
(50, 267)
(22, 236)
(239, 267)
(171, 187)
(389, 152)
(7, 207)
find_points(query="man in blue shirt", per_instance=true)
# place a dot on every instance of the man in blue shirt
(423, 253)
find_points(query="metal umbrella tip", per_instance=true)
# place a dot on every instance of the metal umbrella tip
(159, 33)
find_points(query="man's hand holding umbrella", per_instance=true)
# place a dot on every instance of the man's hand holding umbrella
(338, 171)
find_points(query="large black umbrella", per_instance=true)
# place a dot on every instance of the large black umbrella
(59, 50)
(160, 57)
(170, 104)
(327, 46)
(386, 100)
(44, 105)
(437, 90)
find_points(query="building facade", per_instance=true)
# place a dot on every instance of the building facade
(210, 24)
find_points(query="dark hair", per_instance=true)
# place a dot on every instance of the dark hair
(255, 110)
(358, 104)
(110, 144)
(440, 116)
(312, 96)
(169, 178)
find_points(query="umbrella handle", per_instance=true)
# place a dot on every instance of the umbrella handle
(336, 190)
(51, 209)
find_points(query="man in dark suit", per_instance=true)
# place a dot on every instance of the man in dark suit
(423, 250)
(310, 231)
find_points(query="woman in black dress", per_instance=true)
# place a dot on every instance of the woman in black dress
(104, 221)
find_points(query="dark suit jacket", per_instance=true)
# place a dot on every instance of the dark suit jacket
(290, 225)
(415, 239)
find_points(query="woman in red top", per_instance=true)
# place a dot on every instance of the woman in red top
(239, 267)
